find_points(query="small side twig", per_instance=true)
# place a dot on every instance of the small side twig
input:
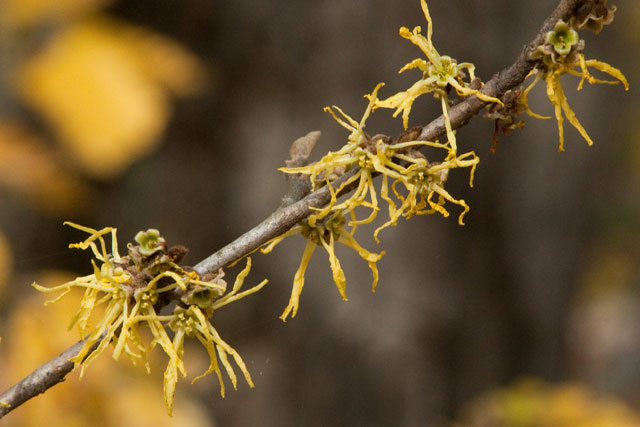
(299, 185)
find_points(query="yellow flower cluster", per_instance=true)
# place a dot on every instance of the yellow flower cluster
(130, 287)
(560, 54)
(411, 184)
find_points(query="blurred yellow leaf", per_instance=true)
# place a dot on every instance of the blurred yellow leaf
(110, 394)
(166, 62)
(30, 170)
(6, 263)
(104, 88)
(534, 403)
(20, 13)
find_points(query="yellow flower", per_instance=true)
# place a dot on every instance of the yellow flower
(355, 153)
(193, 322)
(422, 181)
(131, 287)
(562, 54)
(380, 155)
(324, 235)
(111, 280)
(369, 155)
(439, 72)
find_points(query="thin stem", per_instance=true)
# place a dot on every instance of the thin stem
(42, 379)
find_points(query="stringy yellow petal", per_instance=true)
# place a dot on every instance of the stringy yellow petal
(298, 282)
(606, 68)
(336, 269)
(348, 240)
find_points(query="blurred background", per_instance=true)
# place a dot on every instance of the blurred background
(176, 115)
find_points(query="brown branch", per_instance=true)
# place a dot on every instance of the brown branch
(42, 379)
(54, 371)
(502, 81)
(283, 219)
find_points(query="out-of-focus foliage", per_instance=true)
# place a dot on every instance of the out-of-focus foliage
(104, 88)
(114, 395)
(6, 263)
(34, 172)
(533, 403)
(24, 13)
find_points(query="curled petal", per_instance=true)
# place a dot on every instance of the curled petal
(465, 91)
(402, 101)
(605, 68)
(524, 98)
(348, 240)
(336, 269)
(560, 104)
(421, 64)
(298, 282)
(273, 242)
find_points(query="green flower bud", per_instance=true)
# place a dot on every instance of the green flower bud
(562, 38)
(150, 241)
